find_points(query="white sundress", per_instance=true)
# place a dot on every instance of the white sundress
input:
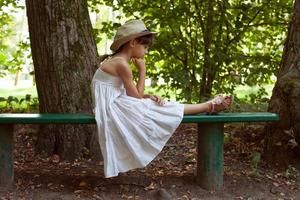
(131, 131)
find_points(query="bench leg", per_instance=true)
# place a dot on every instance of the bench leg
(210, 155)
(6, 155)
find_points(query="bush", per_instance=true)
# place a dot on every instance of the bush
(13, 104)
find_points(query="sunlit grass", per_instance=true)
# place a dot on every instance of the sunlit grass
(241, 92)
(21, 92)
(18, 92)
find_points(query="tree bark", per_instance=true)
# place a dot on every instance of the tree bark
(64, 56)
(208, 66)
(283, 138)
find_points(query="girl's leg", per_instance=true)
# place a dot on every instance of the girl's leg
(190, 109)
(217, 104)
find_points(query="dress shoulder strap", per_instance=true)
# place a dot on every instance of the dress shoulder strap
(111, 58)
(117, 57)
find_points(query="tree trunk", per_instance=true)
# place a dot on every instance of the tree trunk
(206, 78)
(64, 56)
(17, 78)
(283, 138)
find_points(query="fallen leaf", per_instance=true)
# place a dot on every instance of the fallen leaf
(82, 184)
(78, 191)
(150, 187)
(55, 158)
(275, 184)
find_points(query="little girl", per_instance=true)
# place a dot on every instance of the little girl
(133, 127)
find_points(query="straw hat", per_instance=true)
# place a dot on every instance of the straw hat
(128, 31)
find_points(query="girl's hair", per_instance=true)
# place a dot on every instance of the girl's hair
(145, 40)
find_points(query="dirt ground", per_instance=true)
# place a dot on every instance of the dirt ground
(169, 176)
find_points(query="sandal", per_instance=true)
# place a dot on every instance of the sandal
(218, 101)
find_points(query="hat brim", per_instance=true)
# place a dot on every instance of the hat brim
(118, 43)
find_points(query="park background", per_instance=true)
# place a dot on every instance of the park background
(251, 80)
(202, 48)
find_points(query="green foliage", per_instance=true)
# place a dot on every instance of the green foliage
(228, 138)
(14, 61)
(12, 55)
(254, 97)
(18, 58)
(5, 31)
(243, 105)
(209, 46)
(292, 172)
(13, 104)
(6, 3)
(255, 160)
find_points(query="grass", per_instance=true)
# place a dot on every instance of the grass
(242, 93)
(18, 92)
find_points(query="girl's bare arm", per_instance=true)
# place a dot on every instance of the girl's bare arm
(124, 71)
(141, 67)
(137, 90)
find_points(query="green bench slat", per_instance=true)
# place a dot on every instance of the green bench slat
(233, 117)
(46, 119)
(89, 119)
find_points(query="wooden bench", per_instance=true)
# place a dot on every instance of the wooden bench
(210, 140)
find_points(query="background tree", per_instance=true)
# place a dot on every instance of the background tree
(64, 57)
(213, 44)
(283, 138)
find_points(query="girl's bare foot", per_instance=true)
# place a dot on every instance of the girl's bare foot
(220, 103)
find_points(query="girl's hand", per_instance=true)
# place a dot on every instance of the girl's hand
(139, 63)
(157, 99)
